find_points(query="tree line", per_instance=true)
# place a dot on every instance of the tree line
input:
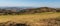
(28, 11)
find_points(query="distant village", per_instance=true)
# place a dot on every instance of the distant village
(16, 10)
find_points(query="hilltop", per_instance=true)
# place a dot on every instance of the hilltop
(18, 10)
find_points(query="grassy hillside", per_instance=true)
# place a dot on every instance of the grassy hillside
(32, 19)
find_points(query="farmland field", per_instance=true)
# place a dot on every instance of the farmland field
(29, 18)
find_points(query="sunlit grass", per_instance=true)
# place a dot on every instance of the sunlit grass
(28, 17)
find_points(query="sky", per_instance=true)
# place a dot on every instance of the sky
(30, 3)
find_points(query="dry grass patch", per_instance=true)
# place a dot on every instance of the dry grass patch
(32, 19)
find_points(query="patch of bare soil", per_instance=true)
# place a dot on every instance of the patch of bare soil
(50, 22)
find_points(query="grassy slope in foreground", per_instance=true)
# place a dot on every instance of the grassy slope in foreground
(28, 17)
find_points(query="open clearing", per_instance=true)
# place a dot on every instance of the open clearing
(28, 18)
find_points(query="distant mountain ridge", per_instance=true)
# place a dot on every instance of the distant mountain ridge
(18, 10)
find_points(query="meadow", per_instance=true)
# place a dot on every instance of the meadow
(31, 19)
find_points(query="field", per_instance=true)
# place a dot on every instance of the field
(32, 19)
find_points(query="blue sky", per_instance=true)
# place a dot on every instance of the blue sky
(31, 3)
